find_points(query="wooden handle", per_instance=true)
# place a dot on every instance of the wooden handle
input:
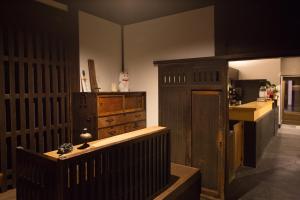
(109, 120)
(138, 115)
(111, 132)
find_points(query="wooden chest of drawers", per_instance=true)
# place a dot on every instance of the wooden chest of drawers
(108, 114)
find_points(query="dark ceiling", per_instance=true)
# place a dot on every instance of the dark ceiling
(132, 11)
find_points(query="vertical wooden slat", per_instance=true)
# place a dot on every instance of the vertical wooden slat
(55, 90)
(12, 95)
(2, 117)
(131, 171)
(150, 154)
(31, 92)
(164, 159)
(99, 175)
(147, 177)
(40, 92)
(74, 185)
(154, 163)
(47, 94)
(107, 174)
(143, 166)
(22, 90)
(91, 186)
(82, 179)
(62, 103)
(127, 173)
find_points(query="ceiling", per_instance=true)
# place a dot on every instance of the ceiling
(132, 11)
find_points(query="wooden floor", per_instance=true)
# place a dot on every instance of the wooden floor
(277, 176)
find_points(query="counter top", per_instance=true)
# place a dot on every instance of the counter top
(98, 144)
(250, 111)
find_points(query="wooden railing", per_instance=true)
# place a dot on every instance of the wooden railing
(135, 168)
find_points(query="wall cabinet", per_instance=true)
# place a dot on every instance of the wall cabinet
(193, 104)
(108, 114)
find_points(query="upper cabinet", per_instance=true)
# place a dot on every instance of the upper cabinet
(257, 28)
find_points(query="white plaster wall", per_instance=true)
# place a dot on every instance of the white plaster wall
(290, 66)
(259, 69)
(184, 35)
(100, 40)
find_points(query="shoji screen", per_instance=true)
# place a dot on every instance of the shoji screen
(34, 87)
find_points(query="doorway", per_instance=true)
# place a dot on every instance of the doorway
(291, 100)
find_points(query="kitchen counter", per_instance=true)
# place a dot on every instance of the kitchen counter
(259, 126)
(250, 111)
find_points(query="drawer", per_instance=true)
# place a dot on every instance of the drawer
(134, 126)
(111, 121)
(137, 116)
(129, 127)
(140, 125)
(134, 103)
(111, 131)
(108, 105)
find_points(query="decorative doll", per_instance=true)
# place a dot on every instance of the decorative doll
(124, 82)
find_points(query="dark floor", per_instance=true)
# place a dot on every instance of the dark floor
(277, 176)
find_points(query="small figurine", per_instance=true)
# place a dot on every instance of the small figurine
(124, 82)
(65, 148)
(85, 136)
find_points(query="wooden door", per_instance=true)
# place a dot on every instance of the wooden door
(174, 117)
(174, 111)
(208, 140)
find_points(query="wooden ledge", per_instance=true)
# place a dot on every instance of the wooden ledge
(99, 144)
(187, 186)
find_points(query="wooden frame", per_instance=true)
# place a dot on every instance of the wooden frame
(35, 82)
(287, 117)
(178, 79)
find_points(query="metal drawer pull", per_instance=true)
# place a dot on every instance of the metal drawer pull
(109, 120)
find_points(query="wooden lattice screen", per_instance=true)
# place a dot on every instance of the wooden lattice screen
(34, 93)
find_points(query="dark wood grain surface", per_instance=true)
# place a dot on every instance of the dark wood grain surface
(190, 118)
(35, 81)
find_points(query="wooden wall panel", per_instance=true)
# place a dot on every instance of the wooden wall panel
(131, 170)
(34, 82)
(174, 111)
(206, 134)
(198, 123)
